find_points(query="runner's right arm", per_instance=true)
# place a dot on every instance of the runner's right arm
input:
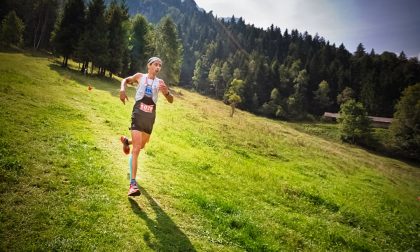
(129, 80)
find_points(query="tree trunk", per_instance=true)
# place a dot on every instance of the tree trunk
(44, 27)
(232, 106)
(86, 67)
(36, 32)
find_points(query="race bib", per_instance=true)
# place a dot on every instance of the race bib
(148, 92)
(146, 108)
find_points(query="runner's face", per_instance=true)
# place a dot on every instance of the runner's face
(155, 67)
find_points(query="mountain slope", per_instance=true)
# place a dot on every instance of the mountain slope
(209, 182)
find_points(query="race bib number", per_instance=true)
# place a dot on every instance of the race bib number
(146, 108)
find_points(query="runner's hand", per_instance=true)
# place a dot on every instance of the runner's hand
(163, 88)
(123, 96)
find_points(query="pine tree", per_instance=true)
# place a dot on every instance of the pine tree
(39, 21)
(68, 29)
(125, 62)
(169, 49)
(402, 56)
(198, 77)
(322, 96)
(368, 92)
(12, 28)
(237, 73)
(215, 77)
(274, 106)
(141, 44)
(226, 73)
(296, 102)
(360, 51)
(118, 36)
(345, 95)
(93, 46)
(405, 127)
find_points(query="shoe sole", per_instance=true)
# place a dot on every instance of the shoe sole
(136, 193)
(126, 150)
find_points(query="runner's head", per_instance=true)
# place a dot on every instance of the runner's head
(154, 64)
(153, 59)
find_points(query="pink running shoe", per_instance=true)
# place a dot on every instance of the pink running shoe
(134, 190)
(126, 145)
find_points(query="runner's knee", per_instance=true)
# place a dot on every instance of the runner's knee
(136, 149)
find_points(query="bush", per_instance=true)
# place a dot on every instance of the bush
(405, 127)
(354, 123)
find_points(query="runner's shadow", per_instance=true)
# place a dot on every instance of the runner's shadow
(168, 236)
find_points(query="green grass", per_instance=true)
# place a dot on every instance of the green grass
(380, 140)
(209, 182)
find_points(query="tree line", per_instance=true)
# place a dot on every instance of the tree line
(285, 74)
(290, 75)
(277, 73)
(100, 37)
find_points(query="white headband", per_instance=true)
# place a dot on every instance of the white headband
(153, 59)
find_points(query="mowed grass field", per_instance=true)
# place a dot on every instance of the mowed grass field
(209, 182)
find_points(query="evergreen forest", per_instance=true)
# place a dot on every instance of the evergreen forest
(273, 71)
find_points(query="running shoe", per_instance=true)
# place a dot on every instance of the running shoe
(126, 145)
(134, 190)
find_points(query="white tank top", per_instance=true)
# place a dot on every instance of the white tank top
(148, 87)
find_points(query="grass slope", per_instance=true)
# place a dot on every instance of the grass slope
(209, 182)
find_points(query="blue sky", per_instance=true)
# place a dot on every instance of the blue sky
(384, 25)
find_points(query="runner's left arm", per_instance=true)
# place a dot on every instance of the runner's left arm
(165, 91)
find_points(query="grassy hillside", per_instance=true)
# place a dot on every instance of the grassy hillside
(209, 182)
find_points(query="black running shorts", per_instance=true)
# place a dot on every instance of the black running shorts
(143, 116)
